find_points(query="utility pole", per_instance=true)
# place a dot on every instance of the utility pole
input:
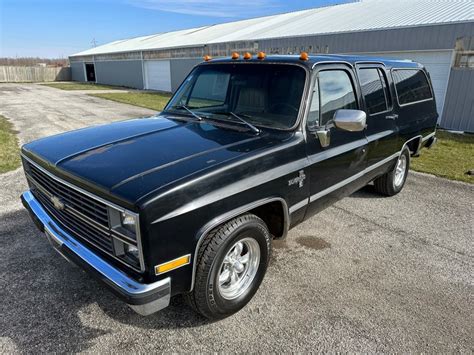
(94, 42)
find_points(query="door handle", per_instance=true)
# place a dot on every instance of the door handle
(391, 117)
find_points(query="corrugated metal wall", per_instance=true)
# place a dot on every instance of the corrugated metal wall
(77, 71)
(458, 111)
(180, 68)
(120, 73)
(403, 39)
(432, 37)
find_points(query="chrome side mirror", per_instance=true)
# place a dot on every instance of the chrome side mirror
(350, 120)
(347, 120)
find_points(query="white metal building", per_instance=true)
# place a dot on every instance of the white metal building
(436, 33)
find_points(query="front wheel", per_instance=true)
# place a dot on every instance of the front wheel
(392, 182)
(231, 264)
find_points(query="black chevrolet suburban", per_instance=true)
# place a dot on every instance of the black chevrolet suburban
(188, 202)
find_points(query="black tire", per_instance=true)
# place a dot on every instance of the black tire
(206, 297)
(386, 184)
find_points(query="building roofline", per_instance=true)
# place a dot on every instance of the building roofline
(352, 17)
(200, 45)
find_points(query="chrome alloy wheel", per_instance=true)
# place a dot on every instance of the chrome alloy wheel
(239, 268)
(400, 170)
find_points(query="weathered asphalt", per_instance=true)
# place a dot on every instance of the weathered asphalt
(368, 274)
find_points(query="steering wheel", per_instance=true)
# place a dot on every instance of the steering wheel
(284, 104)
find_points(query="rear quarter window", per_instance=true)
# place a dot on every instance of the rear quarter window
(412, 86)
(374, 88)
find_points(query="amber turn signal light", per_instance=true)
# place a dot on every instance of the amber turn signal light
(173, 264)
(235, 55)
(261, 55)
(247, 55)
(304, 56)
(207, 58)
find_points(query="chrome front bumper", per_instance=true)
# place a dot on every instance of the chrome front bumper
(144, 299)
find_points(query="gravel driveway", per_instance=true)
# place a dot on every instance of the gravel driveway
(368, 274)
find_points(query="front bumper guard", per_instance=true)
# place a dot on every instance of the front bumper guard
(144, 299)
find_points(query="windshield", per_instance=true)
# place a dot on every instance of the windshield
(264, 95)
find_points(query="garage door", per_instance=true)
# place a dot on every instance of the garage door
(438, 64)
(158, 75)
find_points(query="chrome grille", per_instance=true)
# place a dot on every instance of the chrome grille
(87, 206)
(82, 215)
(78, 228)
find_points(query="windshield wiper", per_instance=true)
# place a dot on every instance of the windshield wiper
(251, 126)
(199, 118)
(248, 124)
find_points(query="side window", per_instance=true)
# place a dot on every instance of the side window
(313, 116)
(209, 90)
(374, 89)
(336, 92)
(412, 85)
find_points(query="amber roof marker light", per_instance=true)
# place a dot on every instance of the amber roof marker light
(235, 55)
(247, 56)
(261, 55)
(304, 56)
(207, 58)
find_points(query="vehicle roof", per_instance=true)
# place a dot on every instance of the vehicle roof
(321, 59)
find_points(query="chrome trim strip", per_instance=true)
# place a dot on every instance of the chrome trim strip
(231, 214)
(330, 153)
(414, 102)
(74, 187)
(299, 205)
(111, 275)
(379, 135)
(236, 187)
(425, 138)
(352, 178)
(412, 139)
(232, 165)
(105, 202)
(330, 62)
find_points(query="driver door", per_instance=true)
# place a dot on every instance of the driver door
(335, 168)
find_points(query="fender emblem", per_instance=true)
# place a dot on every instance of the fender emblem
(298, 180)
(58, 204)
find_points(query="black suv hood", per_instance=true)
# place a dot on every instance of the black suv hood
(131, 159)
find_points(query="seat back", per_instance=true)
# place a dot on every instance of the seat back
(251, 100)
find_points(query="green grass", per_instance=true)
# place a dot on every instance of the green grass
(450, 158)
(80, 86)
(9, 150)
(154, 101)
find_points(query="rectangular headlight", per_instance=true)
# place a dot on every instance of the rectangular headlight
(129, 222)
(127, 252)
(123, 223)
(125, 229)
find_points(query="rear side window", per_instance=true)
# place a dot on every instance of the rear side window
(336, 92)
(412, 86)
(374, 89)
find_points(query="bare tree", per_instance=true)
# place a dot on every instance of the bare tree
(33, 61)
